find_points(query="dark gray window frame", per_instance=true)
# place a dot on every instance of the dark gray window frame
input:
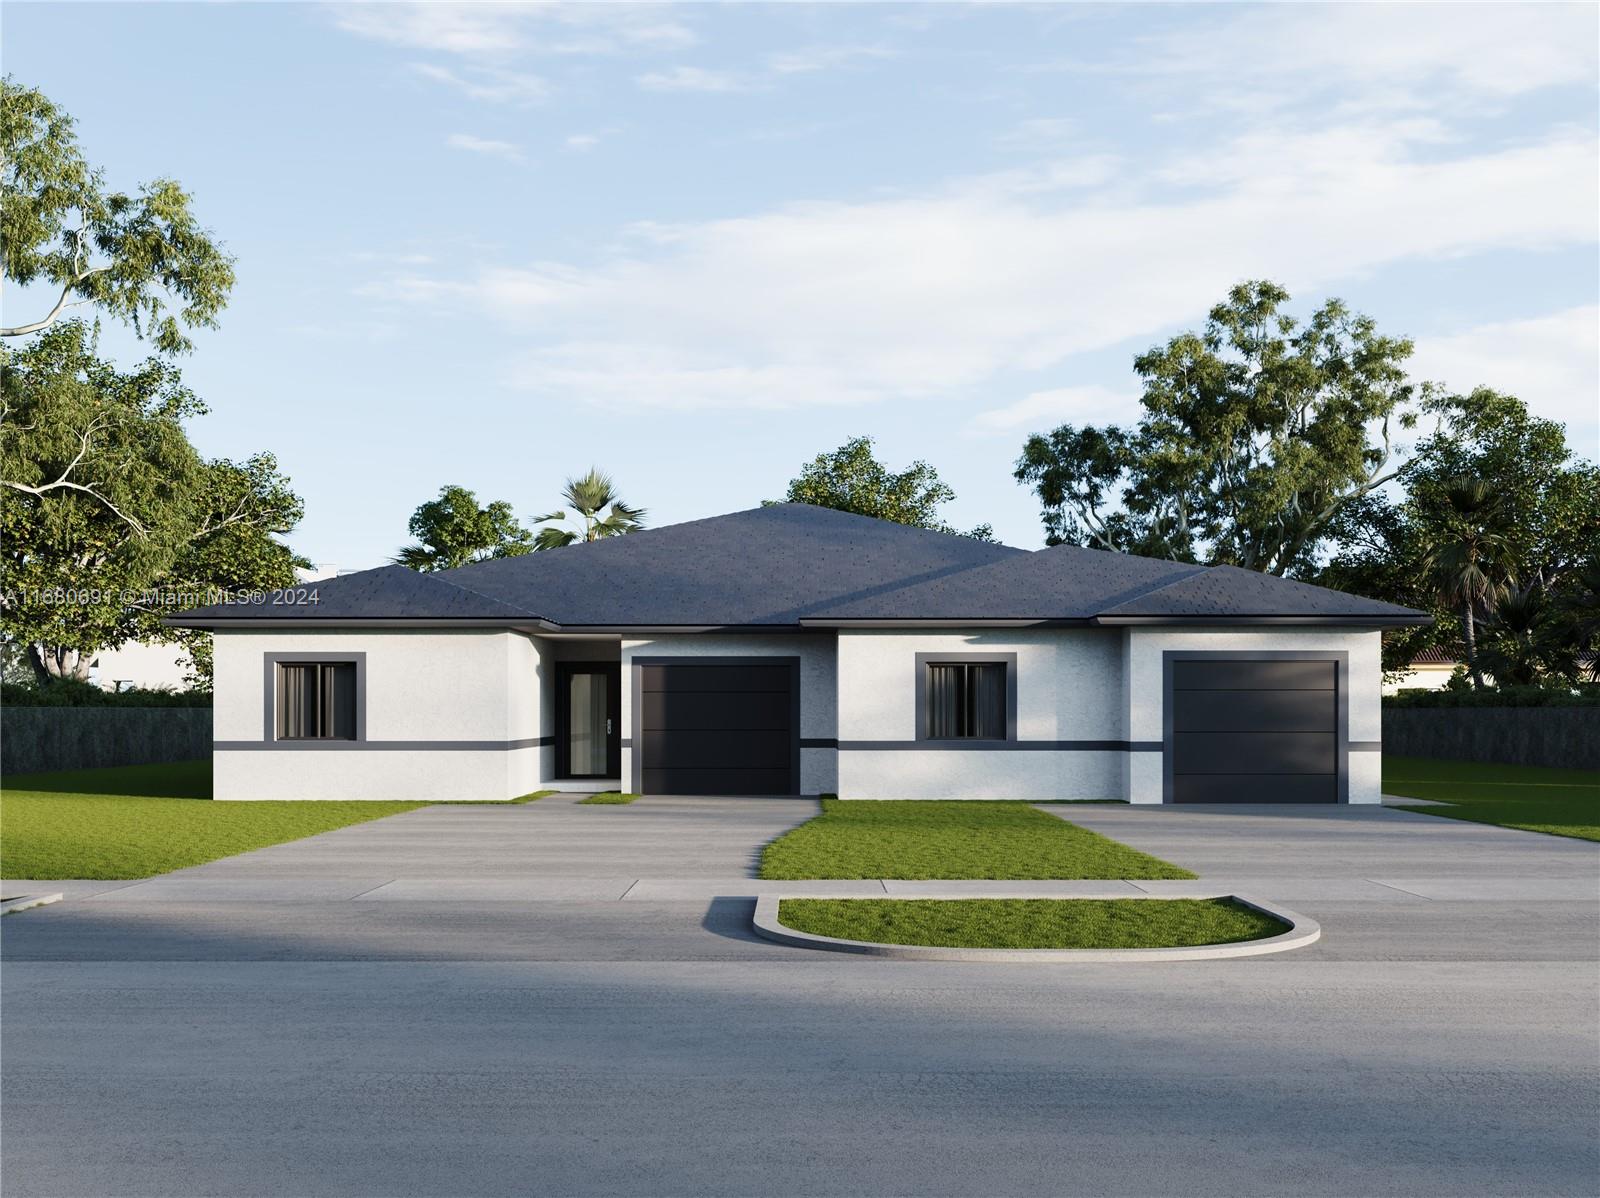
(1341, 660)
(634, 744)
(924, 660)
(269, 692)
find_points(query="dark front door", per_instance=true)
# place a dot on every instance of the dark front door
(588, 719)
(1255, 731)
(727, 729)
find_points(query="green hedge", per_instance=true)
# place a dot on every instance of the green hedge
(1500, 696)
(69, 693)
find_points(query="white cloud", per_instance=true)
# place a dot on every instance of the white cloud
(1040, 133)
(937, 295)
(582, 141)
(1550, 362)
(484, 145)
(1390, 54)
(1089, 404)
(498, 29)
(694, 79)
(488, 83)
(823, 58)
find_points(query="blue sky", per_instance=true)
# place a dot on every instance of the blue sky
(495, 244)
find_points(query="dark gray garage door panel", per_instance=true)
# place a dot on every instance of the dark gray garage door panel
(718, 728)
(1254, 675)
(1254, 753)
(1254, 730)
(716, 749)
(1246, 711)
(712, 710)
(714, 678)
(1259, 788)
(716, 782)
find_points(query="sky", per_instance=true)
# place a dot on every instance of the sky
(493, 245)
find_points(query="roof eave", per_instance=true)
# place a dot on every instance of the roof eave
(290, 623)
(1410, 620)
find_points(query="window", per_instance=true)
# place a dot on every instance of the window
(317, 700)
(966, 700)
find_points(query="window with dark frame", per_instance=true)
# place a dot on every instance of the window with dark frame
(317, 700)
(966, 701)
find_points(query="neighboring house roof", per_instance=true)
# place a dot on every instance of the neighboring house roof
(1437, 657)
(792, 564)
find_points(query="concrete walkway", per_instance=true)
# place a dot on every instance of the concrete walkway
(568, 1000)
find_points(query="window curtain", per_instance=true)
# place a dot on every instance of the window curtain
(988, 706)
(966, 701)
(317, 701)
(339, 700)
(945, 686)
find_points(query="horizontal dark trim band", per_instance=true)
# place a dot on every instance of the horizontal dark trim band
(819, 742)
(381, 746)
(1366, 746)
(1002, 746)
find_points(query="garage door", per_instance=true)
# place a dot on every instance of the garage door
(718, 729)
(1255, 731)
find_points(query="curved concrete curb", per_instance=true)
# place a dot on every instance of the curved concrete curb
(25, 901)
(1302, 931)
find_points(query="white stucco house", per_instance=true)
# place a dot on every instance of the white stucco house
(797, 650)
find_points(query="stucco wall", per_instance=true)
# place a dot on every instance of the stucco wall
(436, 687)
(1144, 675)
(818, 689)
(1069, 688)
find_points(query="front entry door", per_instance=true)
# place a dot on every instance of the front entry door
(589, 719)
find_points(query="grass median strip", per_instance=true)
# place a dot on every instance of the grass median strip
(607, 798)
(1031, 923)
(1526, 797)
(916, 839)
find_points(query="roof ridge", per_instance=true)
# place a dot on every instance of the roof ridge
(1157, 587)
(437, 576)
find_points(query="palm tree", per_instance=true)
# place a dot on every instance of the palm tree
(1470, 561)
(594, 502)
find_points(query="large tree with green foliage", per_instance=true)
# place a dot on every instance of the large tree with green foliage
(597, 511)
(1256, 434)
(109, 519)
(141, 256)
(852, 479)
(453, 530)
(1540, 520)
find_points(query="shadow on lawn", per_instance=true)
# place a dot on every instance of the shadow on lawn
(166, 780)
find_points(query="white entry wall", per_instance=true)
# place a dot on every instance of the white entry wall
(1069, 718)
(444, 714)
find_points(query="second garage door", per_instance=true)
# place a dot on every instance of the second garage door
(1255, 731)
(726, 729)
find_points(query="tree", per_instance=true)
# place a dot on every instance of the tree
(1547, 508)
(453, 530)
(1253, 440)
(108, 517)
(142, 257)
(1470, 559)
(852, 479)
(597, 509)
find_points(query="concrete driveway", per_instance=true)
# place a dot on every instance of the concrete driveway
(562, 999)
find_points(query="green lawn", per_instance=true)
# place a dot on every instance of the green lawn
(606, 797)
(919, 839)
(1031, 923)
(140, 820)
(1531, 798)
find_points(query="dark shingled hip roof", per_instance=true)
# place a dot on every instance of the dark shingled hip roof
(788, 564)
